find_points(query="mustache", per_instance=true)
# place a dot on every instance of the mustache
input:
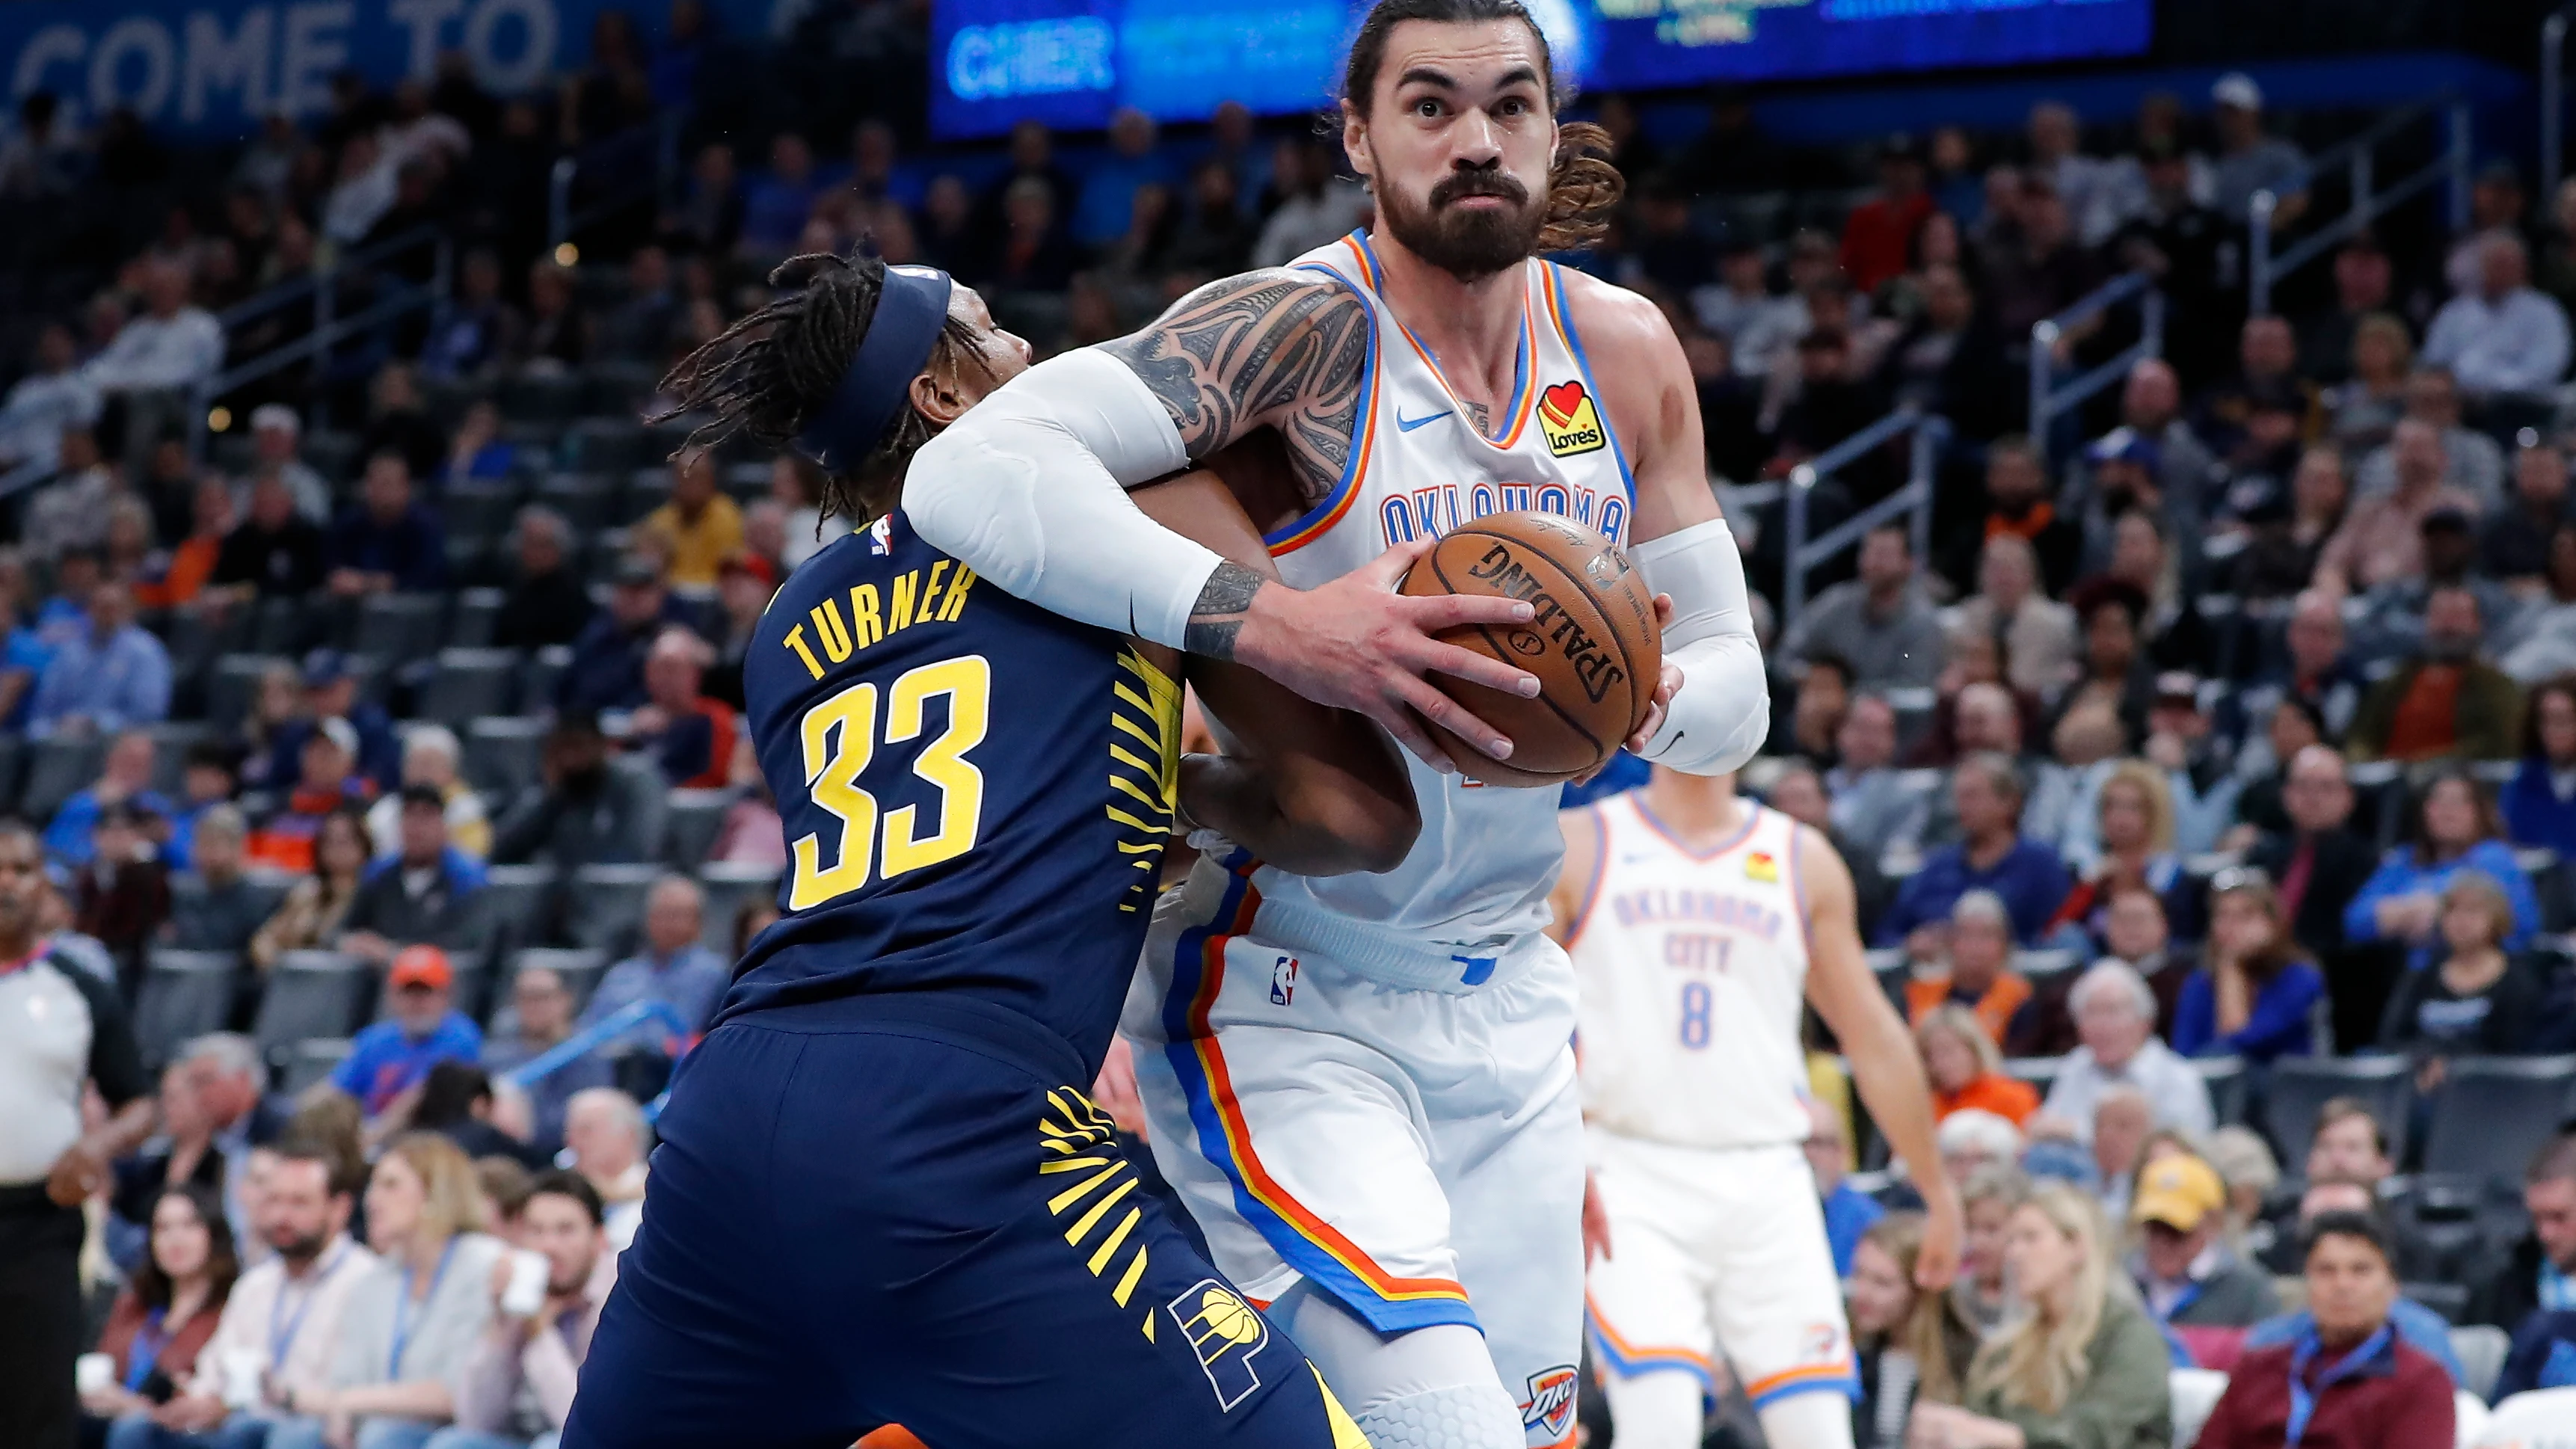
(1480, 182)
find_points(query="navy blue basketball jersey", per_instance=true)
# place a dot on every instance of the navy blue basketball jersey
(975, 792)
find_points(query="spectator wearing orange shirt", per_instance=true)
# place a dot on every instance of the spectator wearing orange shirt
(1966, 1069)
(329, 781)
(1878, 237)
(1975, 973)
(688, 734)
(2446, 702)
(183, 576)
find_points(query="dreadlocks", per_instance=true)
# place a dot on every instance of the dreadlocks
(766, 375)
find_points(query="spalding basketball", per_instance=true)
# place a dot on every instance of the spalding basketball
(1593, 644)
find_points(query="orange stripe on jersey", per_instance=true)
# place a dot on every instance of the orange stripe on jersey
(1752, 818)
(1628, 1360)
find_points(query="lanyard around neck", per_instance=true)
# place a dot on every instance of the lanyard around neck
(403, 1326)
(2303, 1400)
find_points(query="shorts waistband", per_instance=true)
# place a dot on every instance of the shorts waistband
(1373, 955)
(966, 1020)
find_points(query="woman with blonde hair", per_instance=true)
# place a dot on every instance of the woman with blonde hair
(1965, 1068)
(411, 1323)
(1913, 1346)
(2131, 846)
(2080, 1365)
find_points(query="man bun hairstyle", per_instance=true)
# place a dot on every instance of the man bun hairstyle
(1583, 188)
(768, 375)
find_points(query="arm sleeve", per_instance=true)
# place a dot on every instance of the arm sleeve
(1722, 711)
(2361, 918)
(115, 1059)
(1029, 490)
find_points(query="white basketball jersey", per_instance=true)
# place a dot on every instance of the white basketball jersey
(1480, 872)
(1692, 969)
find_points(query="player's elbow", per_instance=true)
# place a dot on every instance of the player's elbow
(1721, 715)
(1346, 827)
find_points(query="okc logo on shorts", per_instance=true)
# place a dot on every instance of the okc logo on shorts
(1283, 981)
(1551, 1401)
(1572, 424)
(1225, 1333)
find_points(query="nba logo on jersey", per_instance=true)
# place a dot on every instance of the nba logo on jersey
(1551, 1403)
(1225, 1333)
(1283, 981)
(1572, 424)
(881, 535)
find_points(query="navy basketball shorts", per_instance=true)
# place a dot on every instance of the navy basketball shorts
(904, 1210)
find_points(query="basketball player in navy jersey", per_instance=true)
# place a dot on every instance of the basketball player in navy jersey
(881, 1194)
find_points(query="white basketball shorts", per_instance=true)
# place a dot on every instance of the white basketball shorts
(1716, 1251)
(1416, 1154)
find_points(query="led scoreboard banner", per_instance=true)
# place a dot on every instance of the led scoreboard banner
(1072, 62)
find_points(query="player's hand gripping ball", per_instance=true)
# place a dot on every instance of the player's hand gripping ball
(1594, 643)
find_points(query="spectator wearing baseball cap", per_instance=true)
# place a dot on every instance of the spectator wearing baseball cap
(2186, 1272)
(2249, 159)
(326, 779)
(422, 1028)
(331, 692)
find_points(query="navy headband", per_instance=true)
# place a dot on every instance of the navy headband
(911, 308)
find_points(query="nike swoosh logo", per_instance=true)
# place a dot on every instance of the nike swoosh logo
(1405, 424)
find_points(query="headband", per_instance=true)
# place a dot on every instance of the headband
(912, 306)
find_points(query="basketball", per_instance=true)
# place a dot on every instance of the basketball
(1594, 645)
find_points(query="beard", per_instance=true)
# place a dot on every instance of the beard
(1469, 243)
(301, 1250)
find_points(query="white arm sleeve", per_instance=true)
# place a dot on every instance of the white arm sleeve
(1029, 489)
(1722, 711)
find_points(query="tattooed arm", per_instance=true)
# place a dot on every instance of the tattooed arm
(1026, 489)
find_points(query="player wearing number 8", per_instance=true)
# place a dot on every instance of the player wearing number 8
(1700, 926)
(881, 1194)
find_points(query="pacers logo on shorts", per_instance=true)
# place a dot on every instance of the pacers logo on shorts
(1572, 424)
(1551, 1402)
(1226, 1334)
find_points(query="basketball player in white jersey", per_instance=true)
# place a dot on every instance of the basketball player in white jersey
(1364, 1088)
(1699, 923)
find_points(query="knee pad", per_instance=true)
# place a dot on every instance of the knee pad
(1460, 1416)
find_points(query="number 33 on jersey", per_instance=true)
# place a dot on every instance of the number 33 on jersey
(971, 788)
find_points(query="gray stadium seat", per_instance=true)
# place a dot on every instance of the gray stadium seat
(728, 885)
(538, 675)
(479, 509)
(548, 399)
(2481, 1348)
(469, 624)
(469, 684)
(310, 1061)
(647, 488)
(502, 753)
(185, 994)
(2225, 1078)
(2300, 1085)
(2041, 965)
(518, 898)
(400, 628)
(313, 994)
(579, 968)
(2040, 1072)
(605, 907)
(57, 769)
(2451, 1300)
(608, 444)
(276, 627)
(586, 500)
(2492, 1113)
(13, 767)
(690, 823)
(171, 741)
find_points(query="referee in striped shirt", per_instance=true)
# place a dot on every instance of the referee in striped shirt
(60, 1027)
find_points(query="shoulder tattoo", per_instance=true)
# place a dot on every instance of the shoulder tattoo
(1264, 347)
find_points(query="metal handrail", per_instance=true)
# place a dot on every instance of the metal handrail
(2264, 269)
(2048, 399)
(591, 1038)
(2553, 99)
(327, 330)
(1803, 555)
